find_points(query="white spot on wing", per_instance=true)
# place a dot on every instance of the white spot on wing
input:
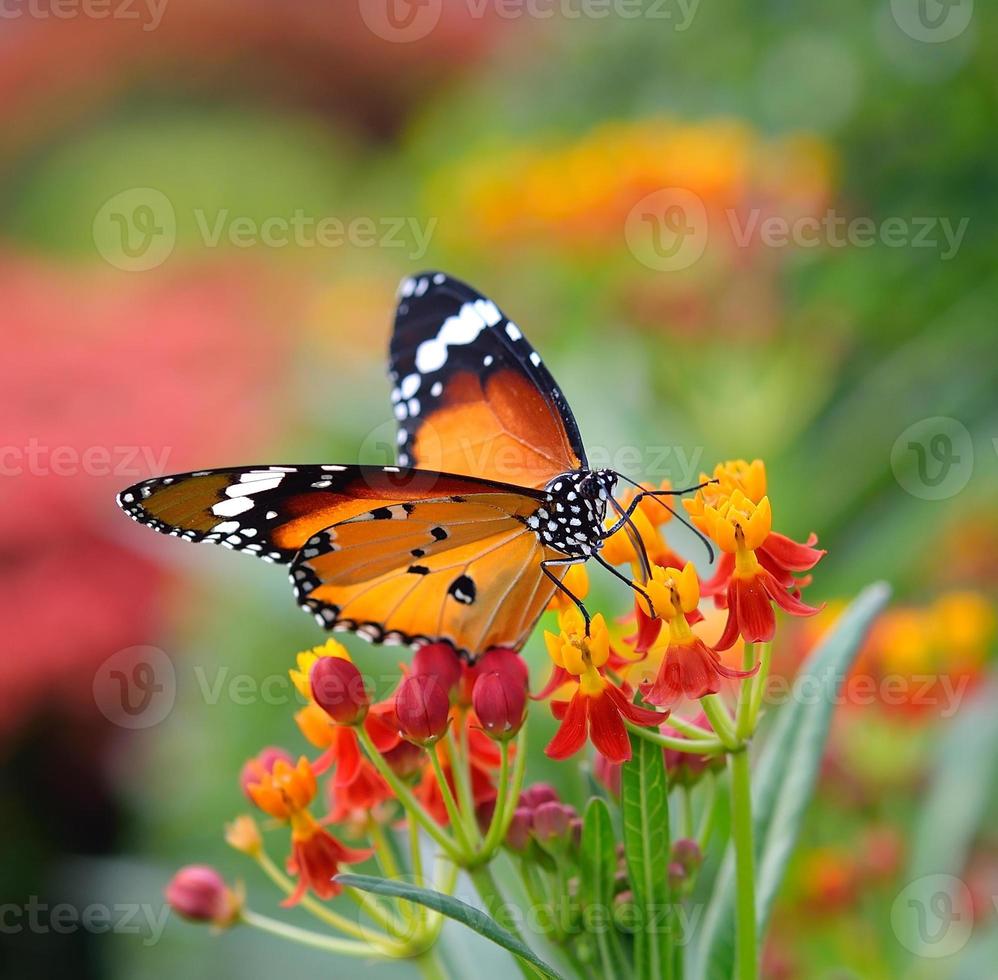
(232, 507)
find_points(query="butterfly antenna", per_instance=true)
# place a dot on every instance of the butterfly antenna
(635, 538)
(657, 495)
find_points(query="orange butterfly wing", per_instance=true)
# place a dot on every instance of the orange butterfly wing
(271, 511)
(471, 395)
(464, 570)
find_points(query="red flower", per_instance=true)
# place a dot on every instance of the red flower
(598, 708)
(315, 859)
(689, 667)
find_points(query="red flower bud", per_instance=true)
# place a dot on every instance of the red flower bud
(261, 765)
(518, 834)
(507, 662)
(686, 852)
(422, 708)
(441, 661)
(533, 796)
(339, 689)
(199, 893)
(552, 821)
(499, 700)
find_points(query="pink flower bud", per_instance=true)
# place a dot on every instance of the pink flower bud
(499, 701)
(518, 834)
(439, 660)
(686, 852)
(552, 821)
(338, 688)
(261, 765)
(533, 796)
(422, 708)
(199, 893)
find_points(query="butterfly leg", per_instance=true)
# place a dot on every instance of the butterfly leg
(623, 578)
(549, 563)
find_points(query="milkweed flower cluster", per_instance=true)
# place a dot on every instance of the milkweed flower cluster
(441, 759)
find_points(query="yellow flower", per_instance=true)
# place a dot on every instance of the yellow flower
(673, 592)
(576, 580)
(580, 655)
(306, 661)
(244, 835)
(737, 524)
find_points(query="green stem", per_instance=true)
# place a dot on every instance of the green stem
(688, 728)
(326, 915)
(404, 795)
(305, 937)
(710, 808)
(703, 746)
(431, 966)
(687, 812)
(720, 720)
(741, 834)
(759, 685)
(460, 765)
(450, 804)
(494, 836)
(746, 694)
(488, 890)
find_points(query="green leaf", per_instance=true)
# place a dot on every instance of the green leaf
(644, 802)
(783, 781)
(454, 909)
(954, 811)
(598, 859)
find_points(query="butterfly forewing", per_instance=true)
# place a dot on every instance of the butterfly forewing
(470, 394)
(271, 511)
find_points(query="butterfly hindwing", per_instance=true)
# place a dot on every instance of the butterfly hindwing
(271, 511)
(470, 393)
(465, 570)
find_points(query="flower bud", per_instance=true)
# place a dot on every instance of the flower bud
(687, 854)
(439, 660)
(262, 764)
(244, 835)
(533, 796)
(677, 876)
(422, 708)
(338, 688)
(552, 822)
(499, 701)
(199, 893)
(518, 834)
(507, 662)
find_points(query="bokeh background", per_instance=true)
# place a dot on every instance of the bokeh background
(733, 229)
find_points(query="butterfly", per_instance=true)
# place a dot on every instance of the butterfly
(467, 539)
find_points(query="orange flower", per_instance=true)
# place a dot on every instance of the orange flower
(285, 793)
(742, 528)
(598, 708)
(689, 668)
(740, 489)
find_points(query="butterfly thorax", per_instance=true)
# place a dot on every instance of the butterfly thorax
(572, 516)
